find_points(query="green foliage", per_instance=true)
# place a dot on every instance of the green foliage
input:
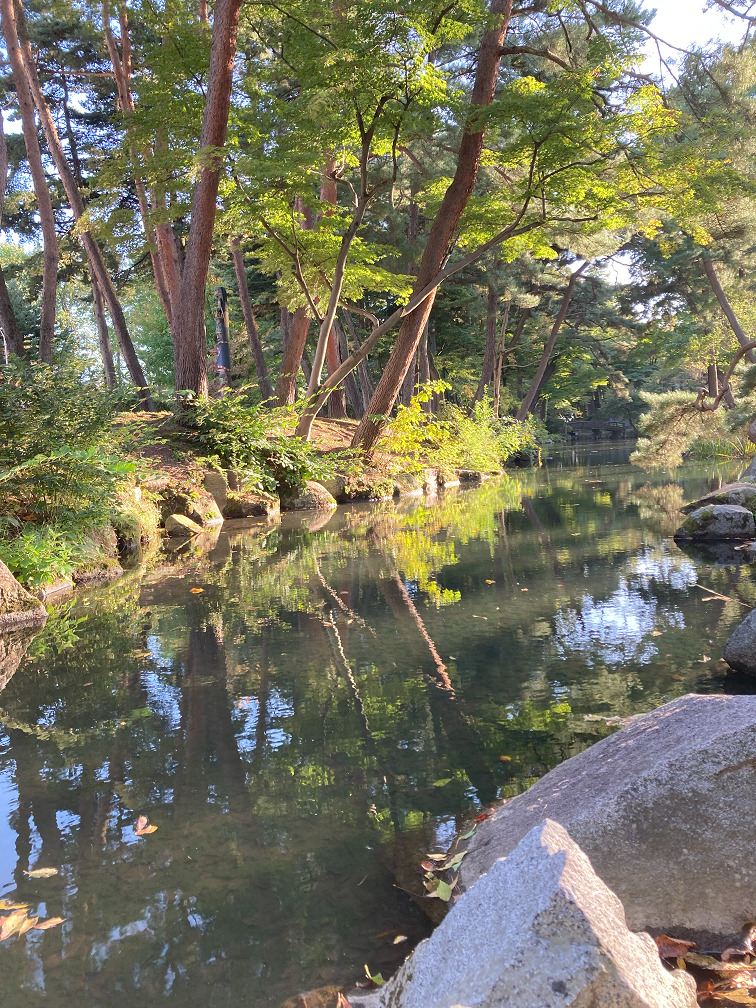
(59, 475)
(456, 439)
(671, 427)
(259, 443)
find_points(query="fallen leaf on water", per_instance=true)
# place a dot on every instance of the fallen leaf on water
(524, 589)
(10, 924)
(399, 939)
(486, 617)
(42, 872)
(51, 922)
(490, 582)
(505, 759)
(375, 978)
(733, 996)
(10, 905)
(28, 924)
(711, 598)
(142, 827)
(678, 678)
(704, 658)
(342, 1002)
(455, 862)
(427, 866)
(437, 857)
(439, 889)
(482, 816)
(466, 836)
(442, 782)
(671, 948)
(196, 591)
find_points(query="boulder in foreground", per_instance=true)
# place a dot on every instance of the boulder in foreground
(664, 810)
(740, 650)
(540, 930)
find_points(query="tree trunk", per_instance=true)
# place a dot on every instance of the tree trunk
(12, 339)
(286, 386)
(37, 171)
(102, 335)
(189, 348)
(363, 372)
(487, 371)
(442, 231)
(535, 386)
(94, 253)
(263, 379)
(726, 307)
(350, 385)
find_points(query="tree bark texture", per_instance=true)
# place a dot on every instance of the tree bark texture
(442, 231)
(189, 348)
(13, 341)
(263, 380)
(39, 181)
(489, 358)
(286, 386)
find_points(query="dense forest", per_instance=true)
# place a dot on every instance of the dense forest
(330, 209)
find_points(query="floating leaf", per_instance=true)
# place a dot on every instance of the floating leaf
(482, 816)
(142, 827)
(438, 857)
(490, 582)
(28, 924)
(455, 861)
(399, 939)
(10, 924)
(376, 978)
(51, 922)
(702, 961)
(342, 1002)
(671, 948)
(10, 905)
(42, 872)
(442, 890)
(196, 591)
(442, 782)
(427, 866)
(466, 836)
(505, 759)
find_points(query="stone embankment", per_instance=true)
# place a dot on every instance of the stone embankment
(649, 830)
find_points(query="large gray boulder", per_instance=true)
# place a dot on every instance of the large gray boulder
(539, 930)
(664, 809)
(18, 607)
(740, 650)
(311, 496)
(742, 494)
(718, 521)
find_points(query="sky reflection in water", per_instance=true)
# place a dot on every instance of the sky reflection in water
(290, 730)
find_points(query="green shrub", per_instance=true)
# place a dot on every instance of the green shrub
(59, 473)
(457, 439)
(259, 443)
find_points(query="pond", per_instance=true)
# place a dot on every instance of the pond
(305, 708)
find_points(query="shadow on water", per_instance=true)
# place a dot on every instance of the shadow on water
(302, 709)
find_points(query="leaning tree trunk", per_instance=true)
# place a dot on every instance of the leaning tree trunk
(453, 204)
(263, 380)
(93, 251)
(189, 347)
(535, 386)
(726, 307)
(102, 336)
(39, 181)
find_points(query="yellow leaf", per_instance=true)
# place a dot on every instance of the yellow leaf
(51, 922)
(399, 939)
(42, 872)
(196, 591)
(10, 924)
(10, 905)
(29, 923)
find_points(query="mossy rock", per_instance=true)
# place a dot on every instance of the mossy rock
(196, 504)
(250, 505)
(311, 496)
(18, 607)
(179, 525)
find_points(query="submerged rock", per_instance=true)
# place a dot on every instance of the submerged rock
(539, 930)
(718, 521)
(663, 809)
(18, 607)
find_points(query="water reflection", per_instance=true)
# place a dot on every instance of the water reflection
(302, 708)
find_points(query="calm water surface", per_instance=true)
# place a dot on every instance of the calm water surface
(280, 708)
